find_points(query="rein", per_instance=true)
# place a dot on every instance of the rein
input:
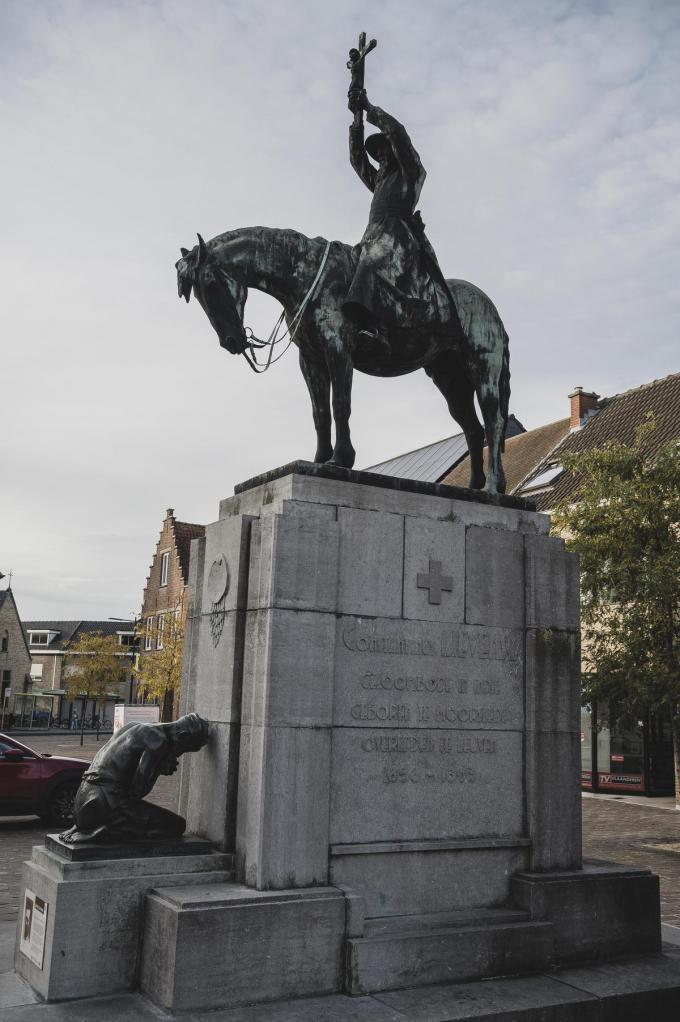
(273, 339)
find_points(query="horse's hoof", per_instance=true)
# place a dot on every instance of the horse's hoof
(343, 459)
(323, 456)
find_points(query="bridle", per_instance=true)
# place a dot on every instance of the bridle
(254, 343)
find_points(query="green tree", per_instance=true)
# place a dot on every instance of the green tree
(625, 525)
(159, 671)
(94, 665)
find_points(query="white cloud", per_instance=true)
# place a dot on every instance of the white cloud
(550, 135)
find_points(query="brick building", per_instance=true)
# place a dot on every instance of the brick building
(165, 594)
(15, 656)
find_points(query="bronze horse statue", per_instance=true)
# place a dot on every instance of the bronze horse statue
(285, 264)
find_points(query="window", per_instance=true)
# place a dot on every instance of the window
(127, 639)
(7, 676)
(159, 631)
(548, 476)
(4, 643)
(148, 638)
(36, 672)
(165, 559)
(38, 638)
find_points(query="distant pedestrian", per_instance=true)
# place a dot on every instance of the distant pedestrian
(74, 722)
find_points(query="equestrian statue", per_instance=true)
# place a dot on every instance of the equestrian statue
(382, 307)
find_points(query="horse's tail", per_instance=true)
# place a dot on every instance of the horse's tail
(504, 385)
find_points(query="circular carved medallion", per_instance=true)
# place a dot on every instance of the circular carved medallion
(218, 579)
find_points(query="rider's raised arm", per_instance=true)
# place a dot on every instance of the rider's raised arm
(402, 147)
(358, 157)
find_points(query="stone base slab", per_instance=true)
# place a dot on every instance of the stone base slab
(628, 990)
(224, 945)
(598, 912)
(94, 917)
(409, 957)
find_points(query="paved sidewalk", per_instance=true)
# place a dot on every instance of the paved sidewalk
(631, 833)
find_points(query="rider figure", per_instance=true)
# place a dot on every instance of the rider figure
(397, 282)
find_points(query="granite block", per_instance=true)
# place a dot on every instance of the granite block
(218, 667)
(288, 676)
(598, 912)
(211, 809)
(227, 539)
(553, 680)
(553, 799)
(281, 944)
(434, 555)
(494, 578)
(408, 883)
(293, 563)
(413, 959)
(371, 563)
(94, 917)
(417, 784)
(552, 585)
(282, 815)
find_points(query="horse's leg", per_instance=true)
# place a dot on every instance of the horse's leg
(341, 370)
(319, 386)
(449, 376)
(489, 402)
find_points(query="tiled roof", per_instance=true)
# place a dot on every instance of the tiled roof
(617, 420)
(522, 453)
(184, 533)
(431, 463)
(70, 630)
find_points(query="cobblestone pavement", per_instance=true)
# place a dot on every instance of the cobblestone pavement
(629, 832)
(18, 834)
(637, 834)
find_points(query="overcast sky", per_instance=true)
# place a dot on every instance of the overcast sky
(551, 138)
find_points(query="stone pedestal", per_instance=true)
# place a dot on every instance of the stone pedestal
(95, 908)
(392, 675)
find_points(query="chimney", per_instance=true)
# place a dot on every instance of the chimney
(583, 404)
(170, 512)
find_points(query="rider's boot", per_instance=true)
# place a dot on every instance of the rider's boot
(376, 340)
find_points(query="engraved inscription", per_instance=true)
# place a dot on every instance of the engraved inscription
(428, 675)
(459, 642)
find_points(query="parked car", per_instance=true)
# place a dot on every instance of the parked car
(37, 783)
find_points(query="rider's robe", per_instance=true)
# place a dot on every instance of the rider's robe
(397, 279)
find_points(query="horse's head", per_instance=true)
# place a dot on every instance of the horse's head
(221, 295)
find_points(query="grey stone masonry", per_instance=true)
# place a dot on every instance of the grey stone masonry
(391, 676)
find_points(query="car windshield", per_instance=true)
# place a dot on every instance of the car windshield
(12, 743)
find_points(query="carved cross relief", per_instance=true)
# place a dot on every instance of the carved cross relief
(435, 582)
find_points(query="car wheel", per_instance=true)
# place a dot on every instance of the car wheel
(60, 805)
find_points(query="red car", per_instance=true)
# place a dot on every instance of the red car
(36, 783)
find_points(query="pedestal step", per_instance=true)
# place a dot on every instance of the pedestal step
(224, 945)
(418, 952)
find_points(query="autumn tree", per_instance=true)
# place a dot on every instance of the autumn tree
(93, 666)
(625, 525)
(159, 671)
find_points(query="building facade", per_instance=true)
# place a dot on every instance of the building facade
(44, 701)
(165, 599)
(15, 657)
